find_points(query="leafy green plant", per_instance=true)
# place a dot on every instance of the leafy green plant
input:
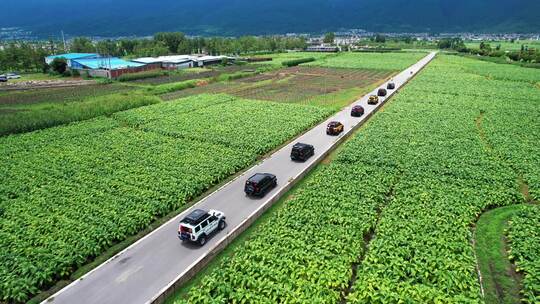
(70, 192)
(524, 237)
(418, 176)
(62, 113)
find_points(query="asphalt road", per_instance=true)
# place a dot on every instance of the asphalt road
(140, 273)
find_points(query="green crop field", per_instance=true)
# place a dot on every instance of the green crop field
(70, 192)
(389, 219)
(524, 236)
(505, 45)
(378, 61)
(25, 99)
(279, 58)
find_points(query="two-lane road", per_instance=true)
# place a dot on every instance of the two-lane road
(142, 272)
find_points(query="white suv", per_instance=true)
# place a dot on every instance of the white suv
(199, 224)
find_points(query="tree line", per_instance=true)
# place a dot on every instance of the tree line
(29, 56)
(525, 54)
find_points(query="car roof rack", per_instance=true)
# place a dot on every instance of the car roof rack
(195, 217)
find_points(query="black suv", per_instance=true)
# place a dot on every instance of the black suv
(334, 128)
(357, 111)
(302, 152)
(3, 78)
(381, 92)
(391, 86)
(260, 184)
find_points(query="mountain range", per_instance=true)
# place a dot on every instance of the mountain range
(258, 17)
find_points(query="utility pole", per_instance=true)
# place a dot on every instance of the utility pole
(64, 40)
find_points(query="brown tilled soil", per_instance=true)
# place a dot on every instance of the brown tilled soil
(291, 84)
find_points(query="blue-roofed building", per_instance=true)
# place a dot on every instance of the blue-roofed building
(110, 67)
(110, 63)
(95, 65)
(71, 56)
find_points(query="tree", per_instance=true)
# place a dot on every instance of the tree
(380, 38)
(171, 40)
(185, 47)
(82, 45)
(108, 47)
(452, 43)
(127, 46)
(329, 38)
(59, 65)
(485, 46)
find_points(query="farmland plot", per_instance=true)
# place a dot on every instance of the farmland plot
(184, 75)
(378, 61)
(278, 59)
(293, 85)
(70, 192)
(418, 176)
(25, 99)
(416, 254)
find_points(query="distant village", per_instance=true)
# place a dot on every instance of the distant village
(342, 36)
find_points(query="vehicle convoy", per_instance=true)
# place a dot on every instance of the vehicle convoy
(382, 92)
(334, 128)
(302, 152)
(199, 224)
(259, 184)
(357, 111)
(391, 86)
(373, 100)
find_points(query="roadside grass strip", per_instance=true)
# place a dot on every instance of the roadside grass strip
(70, 192)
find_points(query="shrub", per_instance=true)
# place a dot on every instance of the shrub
(142, 75)
(59, 65)
(295, 62)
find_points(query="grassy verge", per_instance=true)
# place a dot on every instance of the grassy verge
(500, 281)
(57, 114)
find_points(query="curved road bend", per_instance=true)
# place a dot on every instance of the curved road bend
(143, 271)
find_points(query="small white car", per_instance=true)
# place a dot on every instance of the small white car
(199, 224)
(13, 76)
